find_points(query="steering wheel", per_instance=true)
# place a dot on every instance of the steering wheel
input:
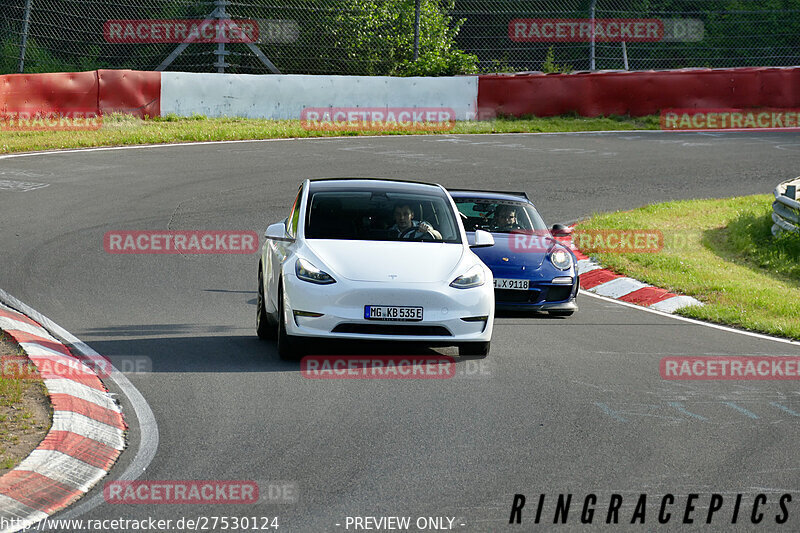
(425, 235)
(512, 227)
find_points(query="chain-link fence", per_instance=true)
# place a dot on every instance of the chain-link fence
(377, 36)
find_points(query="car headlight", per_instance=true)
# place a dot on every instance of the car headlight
(561, 259)
(308, 272)
(473, 278)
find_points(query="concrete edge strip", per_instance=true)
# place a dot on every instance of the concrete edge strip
(60, 469)
(618, 287)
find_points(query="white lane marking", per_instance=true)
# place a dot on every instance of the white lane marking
(692, 320)
(27, 516)
(618, 287)
(88, 427)
(329, 139)
(21, 186)
(671, 305)
(63, 468)
(148, 428)
(82, 392)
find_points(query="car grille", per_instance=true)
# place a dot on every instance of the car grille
(514, 296)
(393, 329)
(557, 294)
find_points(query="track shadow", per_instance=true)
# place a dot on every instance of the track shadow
(528, 314)
(714, 240)
(227, 353)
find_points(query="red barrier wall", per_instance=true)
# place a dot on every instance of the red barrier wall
(636, 93)
(101, 91)
(48, 93)
(130, 91)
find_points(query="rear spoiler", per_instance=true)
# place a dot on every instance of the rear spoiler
(524, 195)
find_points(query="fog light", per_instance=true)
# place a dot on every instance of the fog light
(308, 313)
(563, 280)
(475, 318)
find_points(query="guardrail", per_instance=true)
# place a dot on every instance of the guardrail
(786, 208)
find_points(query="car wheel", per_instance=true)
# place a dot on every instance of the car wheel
(264, 326)
(288, 348)
(479, 349)
(561, 313)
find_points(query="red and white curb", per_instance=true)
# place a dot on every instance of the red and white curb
(83, 443)
(596, 279)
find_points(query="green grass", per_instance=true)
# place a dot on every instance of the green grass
(23, 422)
(120, 130)
(721, 252)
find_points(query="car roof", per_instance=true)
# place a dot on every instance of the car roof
(374, 184)
(489, 195)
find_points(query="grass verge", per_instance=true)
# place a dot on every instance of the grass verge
(721, 252)
(118, 130)
(25, 413)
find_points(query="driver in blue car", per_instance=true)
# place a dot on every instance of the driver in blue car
(405, 227)
(505, 219)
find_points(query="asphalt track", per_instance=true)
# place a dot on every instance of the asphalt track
(571, 405)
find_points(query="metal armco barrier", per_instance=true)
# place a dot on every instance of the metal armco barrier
(786, 208)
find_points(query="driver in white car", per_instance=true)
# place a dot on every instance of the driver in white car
(406, 227)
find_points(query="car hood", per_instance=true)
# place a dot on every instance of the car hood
(516, 250)
(398, 262)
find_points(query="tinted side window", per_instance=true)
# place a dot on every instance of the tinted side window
(294, 215)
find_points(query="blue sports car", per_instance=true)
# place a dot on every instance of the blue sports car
(532, 270)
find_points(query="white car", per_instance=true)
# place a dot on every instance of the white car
(348, 263)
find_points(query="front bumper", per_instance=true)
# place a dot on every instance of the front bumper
(342, 307)
(540, 297)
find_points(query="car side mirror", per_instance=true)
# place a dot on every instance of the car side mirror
(560, 230)
(277, 232)
(482, 239)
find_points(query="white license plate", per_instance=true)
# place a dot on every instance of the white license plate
(391, 312)
(518, 284)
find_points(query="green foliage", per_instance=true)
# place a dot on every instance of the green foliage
(549, 66)
(378, 38)
(39, 59)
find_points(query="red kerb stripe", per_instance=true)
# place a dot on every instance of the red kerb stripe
(83, 448)
(596, 277)
(65, 402)
(37, 491)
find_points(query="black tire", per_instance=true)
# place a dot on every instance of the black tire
(265, 327)
(474, 349)
(561, 313)
(288, 347)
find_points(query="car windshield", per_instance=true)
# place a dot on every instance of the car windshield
(380, 216)
(499, 216)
